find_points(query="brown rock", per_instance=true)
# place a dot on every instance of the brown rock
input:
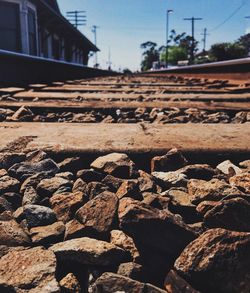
(66, 204)
(31, 270)
(146, 182)
(158, 235)
(12, 234)
(172, 161)
(205, 206)
(90, 175)
(99, 215)
(74, 229)
(48, 186)
(217, 261)
(180, 203)
(200, 190)
(65, 175)
(129, 189)
(70, 284)
(233, 214)
(95, 188)
(8, 184)
(118, 165)
(245, 165)
(131, 270)
(70, 164)
(175, 284)
(33, 181)
(3, 172)
(79, 185)
(30, 196)
(198, 171)
(87, 251)
(241, 181)
(110, 282)
(122, 240)
(155, 200)
(47, 234)
(112, 182)
(36, 156)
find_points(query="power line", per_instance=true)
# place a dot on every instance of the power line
(192, 19)
(77, 18)
(229, 17)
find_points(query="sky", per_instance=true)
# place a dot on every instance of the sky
(125, 24)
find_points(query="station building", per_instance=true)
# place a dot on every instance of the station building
(37, 28)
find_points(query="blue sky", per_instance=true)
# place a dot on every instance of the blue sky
(125, 24)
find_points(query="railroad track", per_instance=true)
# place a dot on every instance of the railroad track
(144, 165)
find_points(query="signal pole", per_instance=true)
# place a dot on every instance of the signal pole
(94, 29)
(192, 19)
(77, 18)
(167, 30)
(204, 34)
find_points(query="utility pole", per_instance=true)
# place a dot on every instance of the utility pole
(109, 63)
(205, 34)
(192, 19)
(77, 18)
(167, 29)
(94, 29)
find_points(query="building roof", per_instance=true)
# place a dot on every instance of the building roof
(51, 12)
(53, 4)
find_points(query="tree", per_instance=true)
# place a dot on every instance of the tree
(180, 48)
(227, 51)
(150, 55)
(245, 42)
(175, 54)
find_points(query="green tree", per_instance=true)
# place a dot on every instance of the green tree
(180, 47)
(227, 51)
(150, 55)
(245, 42)
(175, 54)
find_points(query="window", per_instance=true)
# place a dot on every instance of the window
(32, 32)
(10, 27)
(56, 47)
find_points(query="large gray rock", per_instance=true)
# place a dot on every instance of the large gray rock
(170, 179)
(218, 261)
(37, 215)
(9, 159)
(87, 251)
(48, 186)
(26, 169)
(31, 270)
